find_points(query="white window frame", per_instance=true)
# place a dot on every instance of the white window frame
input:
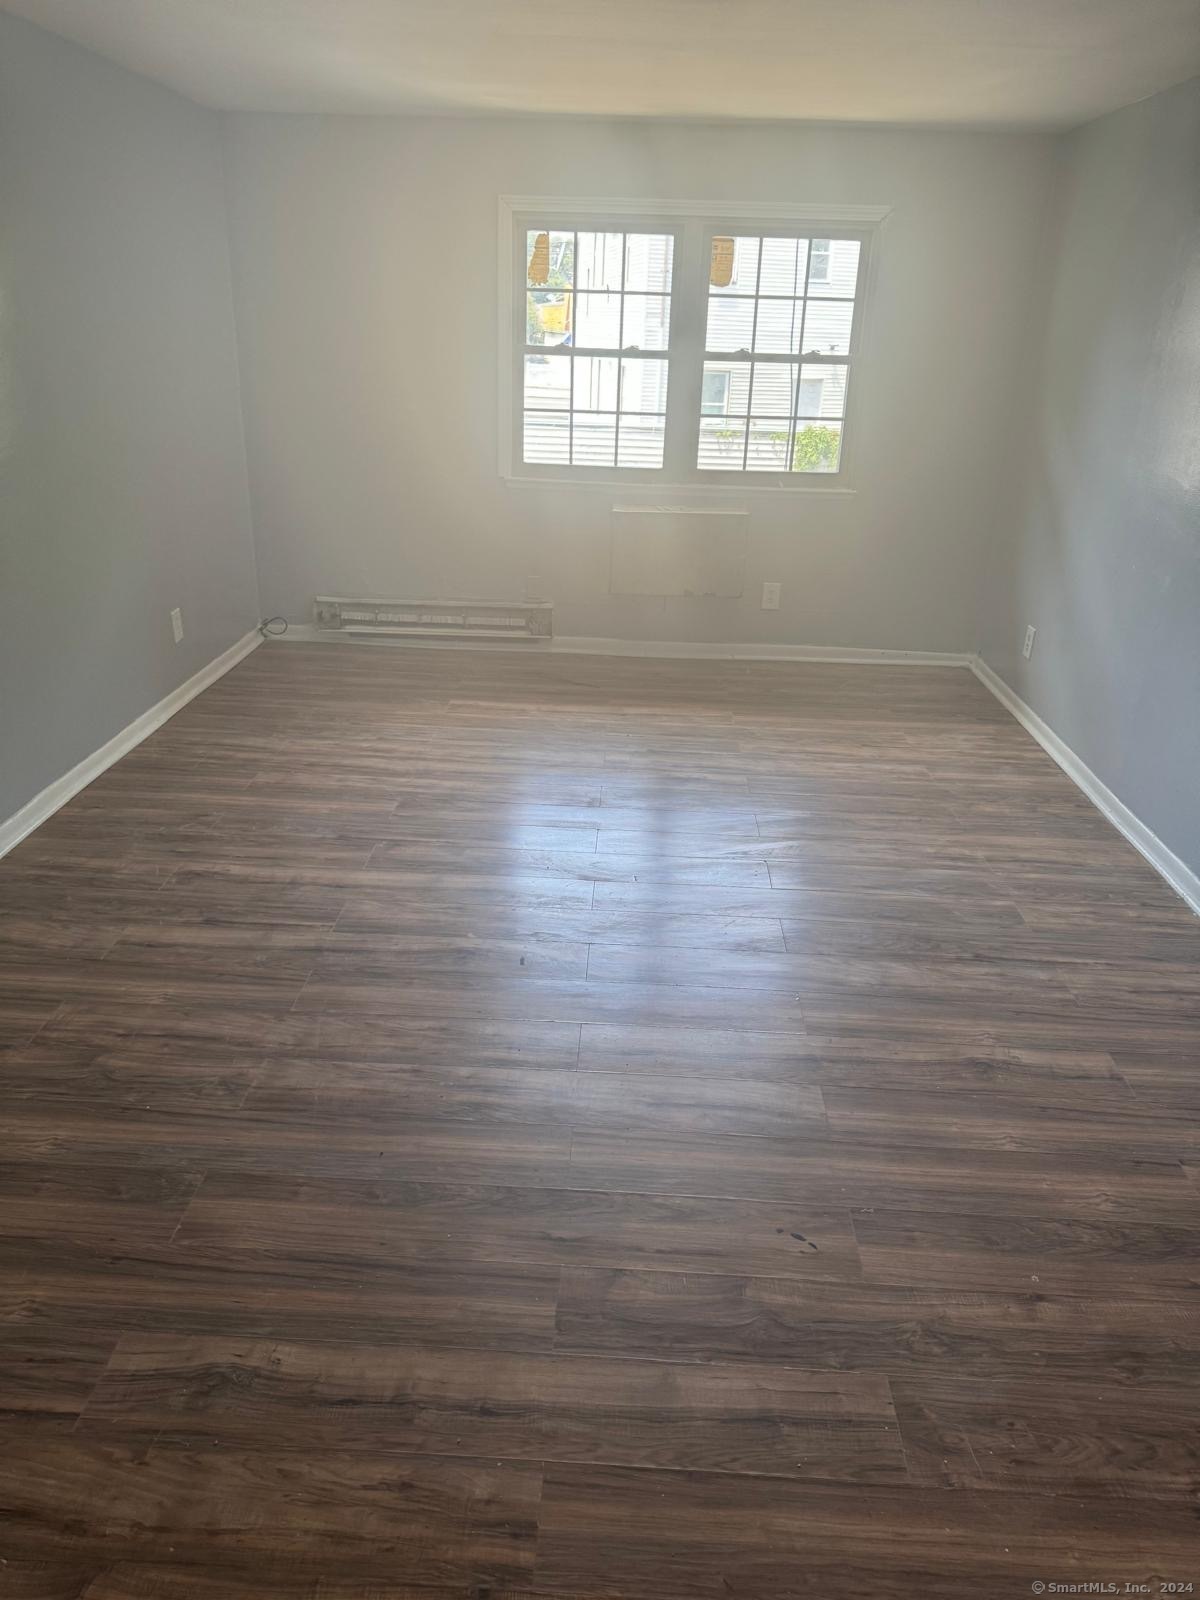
(694, 225)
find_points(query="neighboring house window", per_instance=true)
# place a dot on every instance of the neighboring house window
(714, 395)
(626, 324)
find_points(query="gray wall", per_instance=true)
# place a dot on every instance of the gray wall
(1099, 544)
(365, 274)
(122, 471)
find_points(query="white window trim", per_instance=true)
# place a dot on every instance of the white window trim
(864, 222)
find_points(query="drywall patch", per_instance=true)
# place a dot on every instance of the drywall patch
(678, 550)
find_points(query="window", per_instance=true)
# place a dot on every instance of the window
(714, 393)
(597, 332)
(783, 414)
(665, 347)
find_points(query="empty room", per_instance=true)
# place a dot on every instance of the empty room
(599, 799)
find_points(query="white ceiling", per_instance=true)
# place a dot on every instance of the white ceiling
(1020, 63)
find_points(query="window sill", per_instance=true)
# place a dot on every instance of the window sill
(729, 490)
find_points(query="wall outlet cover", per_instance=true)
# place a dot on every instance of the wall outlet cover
(771, 593)
(1030, 636)
(177, 624)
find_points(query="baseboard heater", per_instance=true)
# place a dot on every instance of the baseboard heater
(436, 619)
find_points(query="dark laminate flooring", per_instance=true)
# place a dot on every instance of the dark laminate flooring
(569, 1128)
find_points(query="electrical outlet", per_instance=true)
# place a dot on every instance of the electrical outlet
(1030, 636)
(177, 625)
(770, 598)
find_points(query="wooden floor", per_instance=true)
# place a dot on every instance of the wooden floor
(576, 1127)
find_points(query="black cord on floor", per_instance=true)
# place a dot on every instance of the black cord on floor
(268, 632)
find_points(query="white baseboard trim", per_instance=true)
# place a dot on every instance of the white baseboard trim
(56, 794)
(1165, 862)
(688, 650)
(684, 650)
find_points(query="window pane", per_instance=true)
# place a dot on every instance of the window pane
(595, 383)
(779, 273)
(780, 297)
(601, 260)
(730, 323)
(550, 258)
(774, 389)
(837, 273)
(817, 447)
(548, 381)
(547, 438)
(547, 317)
(595, 440)
(598, 321)
(733, 271)
(721, 444)
(643, 385)
(827, 385)
(641, 442)
(767, 450)
(647, 322)
(648, 261)
(737, 384)
(604, 291)
(827, 327)
(779, 324)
